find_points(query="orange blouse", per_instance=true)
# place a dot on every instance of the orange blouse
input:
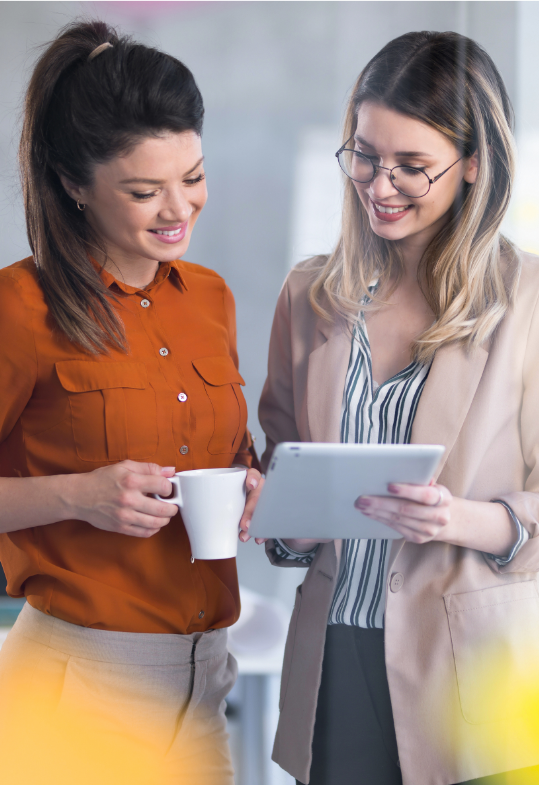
(173, 399)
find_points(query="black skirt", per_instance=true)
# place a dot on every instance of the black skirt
(354, 739)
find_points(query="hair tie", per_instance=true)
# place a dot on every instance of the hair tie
(98, 50)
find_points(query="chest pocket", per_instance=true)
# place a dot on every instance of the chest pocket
(222, 384)
(113, 409)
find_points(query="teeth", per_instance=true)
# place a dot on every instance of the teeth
(389, 210)
(166, 233)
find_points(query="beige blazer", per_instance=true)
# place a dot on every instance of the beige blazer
(461, 633)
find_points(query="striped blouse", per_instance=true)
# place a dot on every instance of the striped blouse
(373, 414)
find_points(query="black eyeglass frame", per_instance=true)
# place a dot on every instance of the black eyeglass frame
(376, 168)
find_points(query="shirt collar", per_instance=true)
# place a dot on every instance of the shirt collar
(164, 270)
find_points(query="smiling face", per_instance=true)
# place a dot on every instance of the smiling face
(390, 139)
(144, 205)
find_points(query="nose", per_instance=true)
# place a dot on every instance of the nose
(381, 186)
(177, 208)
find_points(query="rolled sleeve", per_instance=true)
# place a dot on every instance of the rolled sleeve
(522, 538)
(281, 556)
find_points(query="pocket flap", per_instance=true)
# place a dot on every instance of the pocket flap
(218, 370)
(84, 375)
(494, 595)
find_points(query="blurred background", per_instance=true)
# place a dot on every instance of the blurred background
(275, 77)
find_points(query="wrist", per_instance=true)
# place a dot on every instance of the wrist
(454, 532)
(301, 546)
(481, 526)
(66, 490)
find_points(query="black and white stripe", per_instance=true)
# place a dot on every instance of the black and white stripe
(371, 414)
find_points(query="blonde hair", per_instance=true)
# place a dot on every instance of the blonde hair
(449, 82)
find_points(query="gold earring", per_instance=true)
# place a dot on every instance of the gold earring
(81, 207)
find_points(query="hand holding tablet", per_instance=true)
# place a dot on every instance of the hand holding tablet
(311, 488)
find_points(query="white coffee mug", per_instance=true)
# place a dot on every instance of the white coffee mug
(211, 503)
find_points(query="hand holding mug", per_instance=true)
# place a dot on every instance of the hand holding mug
(116, 498)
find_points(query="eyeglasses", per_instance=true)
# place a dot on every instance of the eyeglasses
(407, 180)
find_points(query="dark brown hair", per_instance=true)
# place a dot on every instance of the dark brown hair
(80, 113)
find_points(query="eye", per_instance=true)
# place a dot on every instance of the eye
(412, 171)
(141, 197)
(372, 158)
(195, 180)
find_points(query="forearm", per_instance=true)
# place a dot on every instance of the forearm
(34, 501)
(482, 526)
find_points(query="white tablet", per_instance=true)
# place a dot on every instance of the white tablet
(311, 488)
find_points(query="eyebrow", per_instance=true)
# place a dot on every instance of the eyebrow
(150, 181)
(403, 153)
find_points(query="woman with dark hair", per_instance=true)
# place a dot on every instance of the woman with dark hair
(417, 662)
(118, 367)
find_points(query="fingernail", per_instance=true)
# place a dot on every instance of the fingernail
(253, 483)
(362, 504)
(394, 487)
(169, 469)
(247, 524)
(244, 537)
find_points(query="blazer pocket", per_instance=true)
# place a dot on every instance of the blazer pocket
(113, 409)
(289, 648)
(222, 383)
(495, 639)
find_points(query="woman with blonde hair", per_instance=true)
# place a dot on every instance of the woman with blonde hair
(417, 662)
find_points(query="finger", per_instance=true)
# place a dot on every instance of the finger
(141, 525)
(139, 467)
(155, 508)
(412, 528)
(139, 531)
(252, 480)
(250, 505)
(432, 495)
(143, 483)
(261, 540)
(386, 505)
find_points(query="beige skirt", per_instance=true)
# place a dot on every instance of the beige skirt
(94, 707)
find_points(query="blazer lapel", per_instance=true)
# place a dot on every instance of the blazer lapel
(328, 365)
(447, 396)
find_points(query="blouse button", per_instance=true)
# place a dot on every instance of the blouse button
(397, 582)
(184, 450)
(145, 303)
(163, 352)
(201, 615)
(182, 397)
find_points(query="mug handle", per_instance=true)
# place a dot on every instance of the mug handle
(176, 497)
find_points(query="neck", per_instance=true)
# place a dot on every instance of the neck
(137, 272)
(411, 254)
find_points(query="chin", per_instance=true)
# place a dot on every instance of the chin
(389, 232)
(168, 253)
